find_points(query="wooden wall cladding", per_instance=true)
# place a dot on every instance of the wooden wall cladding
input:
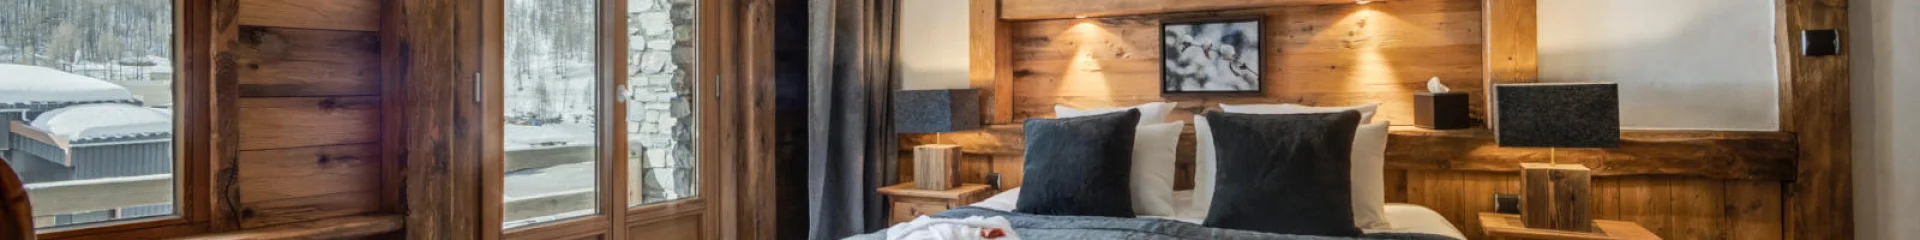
(1674, 207)
(280, 62)
(299, 184)
(309, 113)
(354, 15)
(294, 122)
(1318, 55)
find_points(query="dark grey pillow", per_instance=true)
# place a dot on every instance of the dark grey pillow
(1283, 173)
(1079, 166)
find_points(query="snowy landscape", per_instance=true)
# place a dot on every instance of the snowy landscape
(83, 79)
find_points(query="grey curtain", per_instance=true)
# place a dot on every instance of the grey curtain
(851, 144)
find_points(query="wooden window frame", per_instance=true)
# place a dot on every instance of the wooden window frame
(204, 115)
(614, 216)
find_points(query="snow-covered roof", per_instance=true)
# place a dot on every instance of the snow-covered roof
(104, 120)
(24, 84)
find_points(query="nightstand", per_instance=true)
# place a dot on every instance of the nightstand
(1508, 226)
(909, 202)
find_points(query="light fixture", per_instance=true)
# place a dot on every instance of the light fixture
(1362, 2)
(1085, 16)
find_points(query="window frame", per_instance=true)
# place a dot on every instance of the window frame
(198, 95)
(613, 217)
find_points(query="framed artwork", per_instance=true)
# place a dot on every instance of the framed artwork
(1211, 56)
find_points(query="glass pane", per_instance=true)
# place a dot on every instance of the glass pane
(86, 98)
(660, 123)
(550, 111)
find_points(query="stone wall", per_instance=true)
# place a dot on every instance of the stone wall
(660, 120)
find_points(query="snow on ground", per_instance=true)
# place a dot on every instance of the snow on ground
(22, 83)
(558, 179)
(104, 120)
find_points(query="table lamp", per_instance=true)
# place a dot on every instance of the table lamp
(936, 166)
(1557, 115)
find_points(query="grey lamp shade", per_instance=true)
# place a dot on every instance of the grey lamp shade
(1570, 115)
(936, 111)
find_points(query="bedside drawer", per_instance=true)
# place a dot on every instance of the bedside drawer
(905, 211)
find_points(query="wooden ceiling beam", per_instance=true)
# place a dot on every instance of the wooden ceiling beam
(1056, 9)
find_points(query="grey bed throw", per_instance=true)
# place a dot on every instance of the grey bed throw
(1041, 227)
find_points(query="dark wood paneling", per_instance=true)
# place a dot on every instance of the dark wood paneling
(680, 227)
(426, 67)
(1317, 55)
(299, 184)
(1814, 103)
(1043, 9)
(359, 15)
(274, 123)
(277, 62)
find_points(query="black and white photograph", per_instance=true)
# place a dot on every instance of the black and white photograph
(1211, 56)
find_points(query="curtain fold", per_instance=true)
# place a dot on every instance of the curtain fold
(852, 148)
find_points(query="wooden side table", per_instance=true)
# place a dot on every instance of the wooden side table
(909, 202)
(1509, 226)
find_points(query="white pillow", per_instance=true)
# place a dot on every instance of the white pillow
(1369, 176)
(1368, 173)
(1153, 166)
(1150, 113)
(1366, 111)
(1203, 175)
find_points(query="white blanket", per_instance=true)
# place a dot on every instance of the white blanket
(926, 228)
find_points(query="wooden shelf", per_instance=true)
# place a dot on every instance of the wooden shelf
(1710, 154)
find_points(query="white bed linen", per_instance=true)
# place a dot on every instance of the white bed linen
(1406, 218)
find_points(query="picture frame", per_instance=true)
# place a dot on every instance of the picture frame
(1213, 56)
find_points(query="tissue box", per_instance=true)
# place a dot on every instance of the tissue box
(1446, 110)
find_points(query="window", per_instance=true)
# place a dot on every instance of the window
(597, 113)
(661, 155)
(87, 97)
(552, 111)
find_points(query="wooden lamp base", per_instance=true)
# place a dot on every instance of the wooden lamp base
(1556, 196)
(936, 166)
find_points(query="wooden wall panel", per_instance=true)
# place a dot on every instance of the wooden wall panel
(681, 227)
(273, 123)
(300, 184)
(280, 62)
(358, 15)
(1317, 55)
(1814, 103)
(1673, 207)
